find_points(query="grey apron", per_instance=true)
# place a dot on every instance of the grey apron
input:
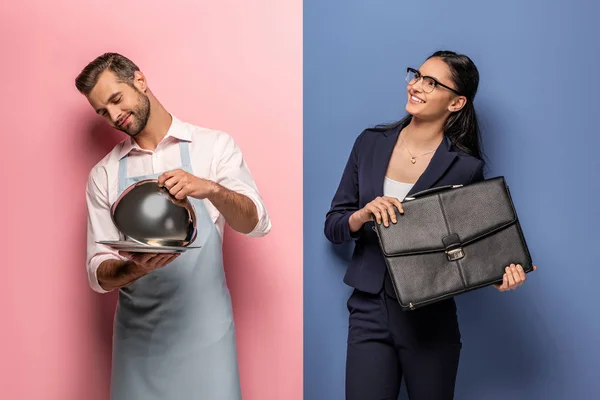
(174, 335)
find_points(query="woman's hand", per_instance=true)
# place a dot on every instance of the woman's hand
(514, 277)
(381, 210)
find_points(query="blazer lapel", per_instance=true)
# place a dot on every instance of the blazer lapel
(382, 153)
(440, 162)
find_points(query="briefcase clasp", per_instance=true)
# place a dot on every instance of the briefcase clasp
(455, 254)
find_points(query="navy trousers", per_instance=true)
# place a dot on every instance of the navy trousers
(386, 344)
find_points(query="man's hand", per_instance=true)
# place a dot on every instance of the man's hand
(239, 211)
(114, 274)
(182, 184)
(148, 262)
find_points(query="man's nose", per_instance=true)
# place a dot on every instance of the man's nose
(114, 114)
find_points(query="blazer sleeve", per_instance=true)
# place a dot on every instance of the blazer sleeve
(345, 201)
(477, 175)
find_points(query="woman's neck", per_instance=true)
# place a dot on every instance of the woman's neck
(422, 135)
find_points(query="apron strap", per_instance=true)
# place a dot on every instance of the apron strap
(184, 151)
(186, 164)
(122, 181)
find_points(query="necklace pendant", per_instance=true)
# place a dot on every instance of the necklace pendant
(412, 160)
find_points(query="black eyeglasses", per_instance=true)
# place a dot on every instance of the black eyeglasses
(429, 83)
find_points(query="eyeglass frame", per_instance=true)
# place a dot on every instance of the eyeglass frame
(416, 72)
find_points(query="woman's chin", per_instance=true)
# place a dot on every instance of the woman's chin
(411, 109)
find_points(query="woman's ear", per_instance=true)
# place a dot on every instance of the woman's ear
(457, 104)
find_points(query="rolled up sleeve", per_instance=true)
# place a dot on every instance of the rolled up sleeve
(99, 226)
(233, 173)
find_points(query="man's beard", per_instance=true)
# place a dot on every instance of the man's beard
(140, 116)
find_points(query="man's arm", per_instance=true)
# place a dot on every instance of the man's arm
(233, 192)
(108, 269)
(240, 203)
(238, 210)
(100, 258)
(115, 274)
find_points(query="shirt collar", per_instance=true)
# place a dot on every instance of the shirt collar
(178, 130)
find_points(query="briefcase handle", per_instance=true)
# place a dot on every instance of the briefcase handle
(431, 191)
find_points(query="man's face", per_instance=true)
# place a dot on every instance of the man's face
(124, 107)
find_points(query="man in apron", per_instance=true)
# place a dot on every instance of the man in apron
(174, 335)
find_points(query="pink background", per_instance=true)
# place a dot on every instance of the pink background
(229, 65)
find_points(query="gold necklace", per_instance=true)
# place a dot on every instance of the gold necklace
(413, 159)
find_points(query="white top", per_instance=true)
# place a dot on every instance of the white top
(399, 190)
(214, 155)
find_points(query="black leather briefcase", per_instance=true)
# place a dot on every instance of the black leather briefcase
(451, 240)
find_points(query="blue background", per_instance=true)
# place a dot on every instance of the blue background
(539, 63)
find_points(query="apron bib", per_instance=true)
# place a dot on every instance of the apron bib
(174, 334)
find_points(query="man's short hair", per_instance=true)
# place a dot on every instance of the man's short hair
(120, 65)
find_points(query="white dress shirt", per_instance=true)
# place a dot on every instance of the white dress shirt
(214, 156)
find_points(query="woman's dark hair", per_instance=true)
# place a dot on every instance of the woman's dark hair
(461, 127)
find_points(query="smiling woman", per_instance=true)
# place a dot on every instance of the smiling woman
(522, 344)
(436, 144)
